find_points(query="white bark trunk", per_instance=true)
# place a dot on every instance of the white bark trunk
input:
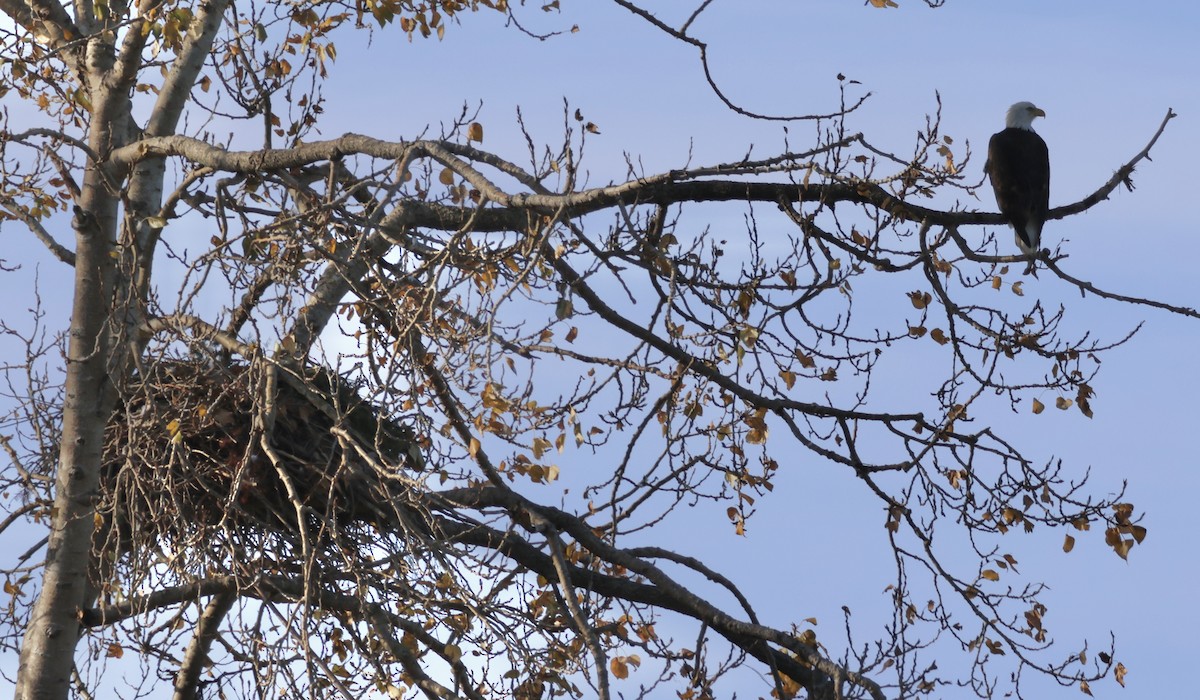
(48, 649)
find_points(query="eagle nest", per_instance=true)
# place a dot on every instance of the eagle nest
(196, 454)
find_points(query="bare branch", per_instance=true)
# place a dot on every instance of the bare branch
(196, 656)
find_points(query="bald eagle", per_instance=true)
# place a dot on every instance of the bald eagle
(1018, 165)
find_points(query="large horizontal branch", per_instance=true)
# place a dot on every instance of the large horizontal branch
(658, 589)
(516, 212)
(161, 598)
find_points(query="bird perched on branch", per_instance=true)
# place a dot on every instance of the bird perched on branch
(1018, 165)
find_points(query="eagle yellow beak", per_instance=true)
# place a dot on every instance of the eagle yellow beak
(1037, 112)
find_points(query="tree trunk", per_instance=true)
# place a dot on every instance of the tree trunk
(48, 649)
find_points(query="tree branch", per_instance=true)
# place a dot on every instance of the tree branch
(196, 656)
(663, 189)
(1121, 176)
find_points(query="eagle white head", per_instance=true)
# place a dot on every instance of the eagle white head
(1021, 116)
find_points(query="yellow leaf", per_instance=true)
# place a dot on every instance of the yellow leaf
(453, 653)
(446, 177)
(919, 299)
(473, 447)
(1069, 543)
(884, 3)
(991, 575)
(996, 282)
(173, 427)
(475, 132)
(1085, 688)
(1119, 672)
(938, 336)
(1016, 289)
(1062, 403)
(1038, 406)
(619, 668)
(115, 651)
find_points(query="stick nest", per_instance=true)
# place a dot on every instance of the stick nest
(194, 452)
